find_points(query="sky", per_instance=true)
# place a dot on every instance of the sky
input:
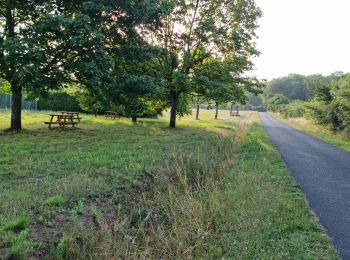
(303, 36)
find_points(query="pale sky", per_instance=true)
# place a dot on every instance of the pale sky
(303, 36)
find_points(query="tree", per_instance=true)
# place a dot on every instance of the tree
(216, 81)
(139, 87)
(51, 44)
(199, 29)
(135, 85)
(47, 44)
(293, 86)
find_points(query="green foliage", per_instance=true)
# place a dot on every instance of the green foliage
(331, 105)
(277, 102)
(293, 87)
(299, 87)
(213, 80)
(328, 98)
(341, 102)
(78, 209)
(89, 103)
(5, 87)
(185, 105)
(295, 109)
(53, 44)
(17, 223)
(58, 101)
(254, 100)
(64, 246)
(22, 246)
(55, 201)
(205, 35)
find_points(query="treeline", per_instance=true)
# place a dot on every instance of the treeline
(142, 56)
(326, 99)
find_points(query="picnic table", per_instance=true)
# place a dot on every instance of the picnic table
(62, 120)
(111, 114)
(74, 114)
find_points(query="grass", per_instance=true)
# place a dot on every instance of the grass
(55, 201)
(210, 189)
(311, 128)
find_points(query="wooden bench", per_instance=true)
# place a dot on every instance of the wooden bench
(74, 114)
(111, 114)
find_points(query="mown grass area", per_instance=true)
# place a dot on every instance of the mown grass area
(308, 126)
(114, 189)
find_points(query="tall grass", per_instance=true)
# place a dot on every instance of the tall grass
(173, 218)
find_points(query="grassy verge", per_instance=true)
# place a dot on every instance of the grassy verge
(50, 180)
(212, 189)
(318, 131)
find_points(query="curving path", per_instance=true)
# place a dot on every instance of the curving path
(323, 172)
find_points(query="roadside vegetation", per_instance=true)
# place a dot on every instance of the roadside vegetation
(211, 189)
(309, 126)
(316, 104)
(324, 99)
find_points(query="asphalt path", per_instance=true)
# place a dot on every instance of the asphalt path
(323, 172)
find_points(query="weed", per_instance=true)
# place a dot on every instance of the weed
(78, 209)
(17, 224)
(55, 201)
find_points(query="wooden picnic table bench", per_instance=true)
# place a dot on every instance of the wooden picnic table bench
(61, 120)
(111, 114)
(74, 114)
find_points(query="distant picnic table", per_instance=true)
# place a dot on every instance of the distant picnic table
(111, 114)
(64, 119)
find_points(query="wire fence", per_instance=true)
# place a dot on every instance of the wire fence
(6, 102)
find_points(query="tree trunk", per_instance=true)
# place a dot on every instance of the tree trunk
(134, 119)
(197, 114)
(173, 111)
(216, 110)
(16, 108)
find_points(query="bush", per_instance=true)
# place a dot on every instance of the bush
(59, 102)
(277, 102)
(334, 110)
(295, 109)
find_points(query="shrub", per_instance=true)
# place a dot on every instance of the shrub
(277, 102)
(59, 102)
(333, 108)
(295, 109)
